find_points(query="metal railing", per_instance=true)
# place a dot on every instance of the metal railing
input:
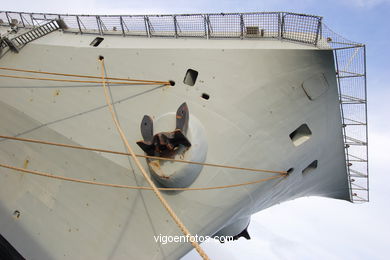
(350, 62)
(308, 29)
(280, 25)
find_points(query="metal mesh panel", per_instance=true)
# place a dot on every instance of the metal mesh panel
(15, 19)
(89, 24)
(71, 22)
(351, 93)
(191, 25)
(39, 19)
(111, 24)
(27, 20)
(330, 39)
(268, 25)
(348, 67)
(352, 90)
(301, 28)
(351, 76)
(134, 25)
(3, 18)
(224, 25)
(51, 16)
(289, 26)
(161, 25)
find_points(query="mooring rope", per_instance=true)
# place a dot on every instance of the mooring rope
(80, 76)
(166, 83)
(138, 155)
(166, 205)
(59, 177)
(124, 81)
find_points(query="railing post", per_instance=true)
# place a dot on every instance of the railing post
(242, 26)
(207, 26)
(279, 26)
(147, 26)
(99, 24)
(21, 19)
(175, 24)
(9, 21)
(123, 29)
(78, 23)
(319, 27)
(32, 20)
(204, 25)
(282, 26)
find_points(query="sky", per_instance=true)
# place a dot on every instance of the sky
(309, 227)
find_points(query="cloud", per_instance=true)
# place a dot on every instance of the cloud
(184, 6)
(321, 228)
(365, 3)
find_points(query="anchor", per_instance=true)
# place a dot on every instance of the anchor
(165, 144)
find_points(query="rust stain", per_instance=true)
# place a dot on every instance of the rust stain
(155, 164)
(16, 214)
(25, 164)
(156, 167)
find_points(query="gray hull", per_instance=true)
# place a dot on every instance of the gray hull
(260, 92)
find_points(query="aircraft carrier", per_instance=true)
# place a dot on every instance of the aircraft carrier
(236, 111)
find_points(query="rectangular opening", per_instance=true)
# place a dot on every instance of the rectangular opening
(300, 135)
(190, 78)
(96, 41)
(311, 167)
(252, 30)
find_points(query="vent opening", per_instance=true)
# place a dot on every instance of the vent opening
(311, 167)
(205, 96)
(190, 78)
(300, 135)
(254, 30)
(96, 41)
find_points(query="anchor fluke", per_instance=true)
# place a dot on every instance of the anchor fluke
(182, 117)
(147, 128)
(165, 144)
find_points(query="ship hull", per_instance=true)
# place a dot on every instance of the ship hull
(257, 99)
